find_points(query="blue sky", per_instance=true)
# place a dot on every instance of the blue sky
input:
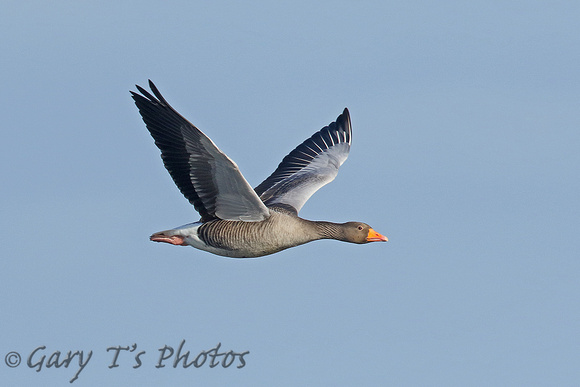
(465, 154)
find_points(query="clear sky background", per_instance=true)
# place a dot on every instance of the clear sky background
(466, 138)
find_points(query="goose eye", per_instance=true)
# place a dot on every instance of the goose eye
(360, 228)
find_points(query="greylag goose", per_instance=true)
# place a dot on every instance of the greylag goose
(236, 220)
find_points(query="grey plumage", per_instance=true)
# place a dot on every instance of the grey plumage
(237, 221)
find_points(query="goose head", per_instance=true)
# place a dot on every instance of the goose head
(358, 232)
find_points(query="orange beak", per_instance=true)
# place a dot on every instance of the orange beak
(376, 237)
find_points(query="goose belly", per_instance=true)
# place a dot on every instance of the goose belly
(248, 239)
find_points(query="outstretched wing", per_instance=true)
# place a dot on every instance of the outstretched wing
(208, 178)
(311, 165)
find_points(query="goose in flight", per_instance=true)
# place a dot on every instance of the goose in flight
(236, 220)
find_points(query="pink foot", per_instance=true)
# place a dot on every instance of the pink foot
(173, 239)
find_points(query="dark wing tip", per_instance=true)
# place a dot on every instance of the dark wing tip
(157, 99)
(343, 122)
(156, 92)
(145, 95)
